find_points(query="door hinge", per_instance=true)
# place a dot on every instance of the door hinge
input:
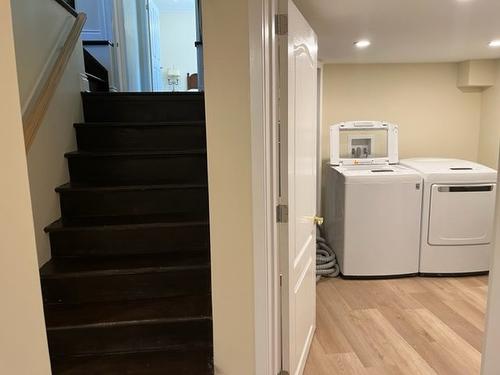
(281, 22)
(282, 213)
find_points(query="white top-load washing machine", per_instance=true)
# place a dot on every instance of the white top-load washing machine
(372, 205)
(457, 215)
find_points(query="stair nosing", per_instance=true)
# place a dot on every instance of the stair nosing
(64, 228)
(124, 271)
(121, 94)
(67, 187)
(83, 125)
(169, 348)
(134, 153)
(125, 323)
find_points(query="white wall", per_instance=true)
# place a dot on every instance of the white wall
(228, 118)
(39, 30)
(490, 124)
(178, 34)
(23, 343)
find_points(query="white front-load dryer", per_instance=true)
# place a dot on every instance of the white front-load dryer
(457, 215)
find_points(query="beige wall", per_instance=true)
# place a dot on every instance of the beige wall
(229, 170)
(435, 117)
(490, 124)
(23, 343)
(40, 28)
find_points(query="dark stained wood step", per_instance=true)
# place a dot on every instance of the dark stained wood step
(143, 107)
(120, 221)
(159, 334)
(137, 168)
(127, 278)
(61, 317)
(71, 267)
(117, 236)
(89, 201)
(194, 280)
(187, 360)
(140, 136)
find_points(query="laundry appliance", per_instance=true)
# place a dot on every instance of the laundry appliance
(457, 215)
(372, 204)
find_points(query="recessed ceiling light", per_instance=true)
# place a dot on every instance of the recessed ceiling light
(495, 43)
(362, 43)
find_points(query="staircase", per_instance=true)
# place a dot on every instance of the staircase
(128, 288)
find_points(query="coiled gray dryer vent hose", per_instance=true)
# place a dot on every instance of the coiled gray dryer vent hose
(326, 261)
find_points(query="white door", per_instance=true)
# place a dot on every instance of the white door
(99, 19)
(298, 132)
(154, 41)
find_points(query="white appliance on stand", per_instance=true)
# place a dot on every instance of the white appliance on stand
(373, 205)
(457, 215)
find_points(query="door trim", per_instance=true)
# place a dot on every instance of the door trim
(263, 90)
(119, 40)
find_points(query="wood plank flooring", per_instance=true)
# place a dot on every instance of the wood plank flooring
(400, 326)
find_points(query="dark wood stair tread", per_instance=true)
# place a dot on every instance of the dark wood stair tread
(137, 154)
(67, 316)
(128, 222)
(125, 264)
(192, 360)
(168, 95)
(138, 124)
(90, 187)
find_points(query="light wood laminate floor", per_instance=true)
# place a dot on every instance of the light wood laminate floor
(400, 326)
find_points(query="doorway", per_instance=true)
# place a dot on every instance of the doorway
(145, 45)
(415, 324)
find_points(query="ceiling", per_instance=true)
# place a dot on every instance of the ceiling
(404, 30)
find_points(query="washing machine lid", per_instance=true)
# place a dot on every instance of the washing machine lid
(363, 143)
(371, 174)
(451, 170)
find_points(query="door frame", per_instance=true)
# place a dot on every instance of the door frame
(120, 47)
(490, 361)
(144, 26)
(263, 97)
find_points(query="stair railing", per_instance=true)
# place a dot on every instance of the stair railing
(36, 110)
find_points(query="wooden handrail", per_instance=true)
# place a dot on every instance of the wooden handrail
(33, 117)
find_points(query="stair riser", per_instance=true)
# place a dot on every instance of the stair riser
(143, 108)
(126, 287)
(138, 170)
(77, 204)
(184, 362)
(114, 339)
(144, 240)
(109, 138)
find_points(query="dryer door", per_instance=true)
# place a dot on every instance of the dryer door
(461, 214)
